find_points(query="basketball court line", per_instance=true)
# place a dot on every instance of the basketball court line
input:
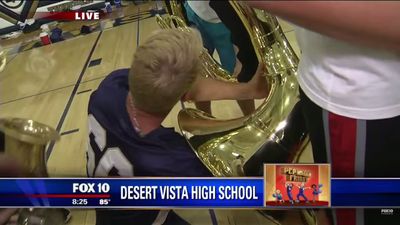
(138, 30)
(93, 79)
(48, 91)
(213, 217)
(71, 98)
(84, 91)
(66, 86)
(69, 132)
(74, 118)
(34, 95)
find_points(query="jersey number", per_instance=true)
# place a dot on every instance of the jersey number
(112, 157)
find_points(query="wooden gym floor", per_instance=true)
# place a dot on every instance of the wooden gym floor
(52, 85)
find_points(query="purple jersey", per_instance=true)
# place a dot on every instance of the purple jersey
(115, 148)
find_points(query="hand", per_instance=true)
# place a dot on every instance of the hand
(8, 216)
(238, 68)
(9, 167)
(258, 84)
(238, 65)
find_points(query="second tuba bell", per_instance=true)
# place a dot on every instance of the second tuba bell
(25, 141)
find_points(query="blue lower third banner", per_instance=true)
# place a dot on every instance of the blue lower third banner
(132, 192)
(368, 192)
(180, 192)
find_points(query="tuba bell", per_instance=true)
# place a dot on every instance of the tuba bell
(25, 141)
(275, 132)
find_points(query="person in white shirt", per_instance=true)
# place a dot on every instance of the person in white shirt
(349, 74)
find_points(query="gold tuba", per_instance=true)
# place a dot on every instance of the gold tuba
(26, 140)
(3, 58)
(275, 132)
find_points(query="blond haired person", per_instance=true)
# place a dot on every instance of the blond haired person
(125, 114)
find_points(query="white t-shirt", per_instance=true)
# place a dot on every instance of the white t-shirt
(347, 79)
(204, 11)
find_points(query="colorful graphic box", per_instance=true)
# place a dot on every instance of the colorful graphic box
(297, 185)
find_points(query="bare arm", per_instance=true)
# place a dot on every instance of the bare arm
(6, 216)
(371, 23)
(206, 89)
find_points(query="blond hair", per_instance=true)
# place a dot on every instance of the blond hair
(164, 68)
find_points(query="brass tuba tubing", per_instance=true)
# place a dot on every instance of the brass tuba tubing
(25, 140)
(275, 132)
(3, 59)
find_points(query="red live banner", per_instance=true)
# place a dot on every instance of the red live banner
(70, 15)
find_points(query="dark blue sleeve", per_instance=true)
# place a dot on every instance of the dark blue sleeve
(198, 169)
(189, 165)
(185, 164)
(188, 168)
